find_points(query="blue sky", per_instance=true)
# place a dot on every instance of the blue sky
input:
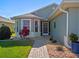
(9, 8)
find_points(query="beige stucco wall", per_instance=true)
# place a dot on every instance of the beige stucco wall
(10, 25)
(74, 20)
(60, 30)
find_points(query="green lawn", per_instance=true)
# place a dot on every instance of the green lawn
(15, 49)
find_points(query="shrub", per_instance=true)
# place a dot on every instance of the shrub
(73, 37)
(5, 32)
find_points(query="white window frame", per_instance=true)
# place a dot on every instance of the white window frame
(22, 23)
(38, 24)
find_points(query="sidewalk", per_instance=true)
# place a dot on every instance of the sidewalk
(39, 49)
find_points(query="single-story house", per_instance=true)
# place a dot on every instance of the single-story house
(37, 21)
(55, 20)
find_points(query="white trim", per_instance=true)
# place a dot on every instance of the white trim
(21, 24)
(43, 28)
(71, 1)
(38, 25)
(30, 25)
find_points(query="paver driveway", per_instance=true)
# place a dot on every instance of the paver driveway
(39, 49)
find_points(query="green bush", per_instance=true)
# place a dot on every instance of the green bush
(5, 32)
(73, 37)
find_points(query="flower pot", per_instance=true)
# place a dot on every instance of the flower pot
(75, 47)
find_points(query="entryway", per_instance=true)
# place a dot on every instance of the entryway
(45, 28)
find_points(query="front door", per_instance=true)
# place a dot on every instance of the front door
(45, 28)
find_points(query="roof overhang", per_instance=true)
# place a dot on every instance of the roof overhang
(64, 5)
(7, 21)
(26, 16)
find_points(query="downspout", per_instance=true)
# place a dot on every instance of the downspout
(67, 18)
(67, 27)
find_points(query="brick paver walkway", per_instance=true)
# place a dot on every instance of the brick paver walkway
(39, 49)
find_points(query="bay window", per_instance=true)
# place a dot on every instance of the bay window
(26, 23)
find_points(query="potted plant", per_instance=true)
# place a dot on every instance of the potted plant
(74, 43)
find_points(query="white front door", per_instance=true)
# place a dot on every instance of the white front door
(45, 28)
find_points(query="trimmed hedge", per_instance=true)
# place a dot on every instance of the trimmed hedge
(5, 32)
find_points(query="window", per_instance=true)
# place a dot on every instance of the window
(26, 23)
(36, 26)
(54, 25)
(17, 26)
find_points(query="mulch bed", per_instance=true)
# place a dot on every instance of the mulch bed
(55, 51)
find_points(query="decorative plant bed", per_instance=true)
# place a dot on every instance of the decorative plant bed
(55, 51)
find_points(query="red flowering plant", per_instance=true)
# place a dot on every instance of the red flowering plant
(24, 32)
